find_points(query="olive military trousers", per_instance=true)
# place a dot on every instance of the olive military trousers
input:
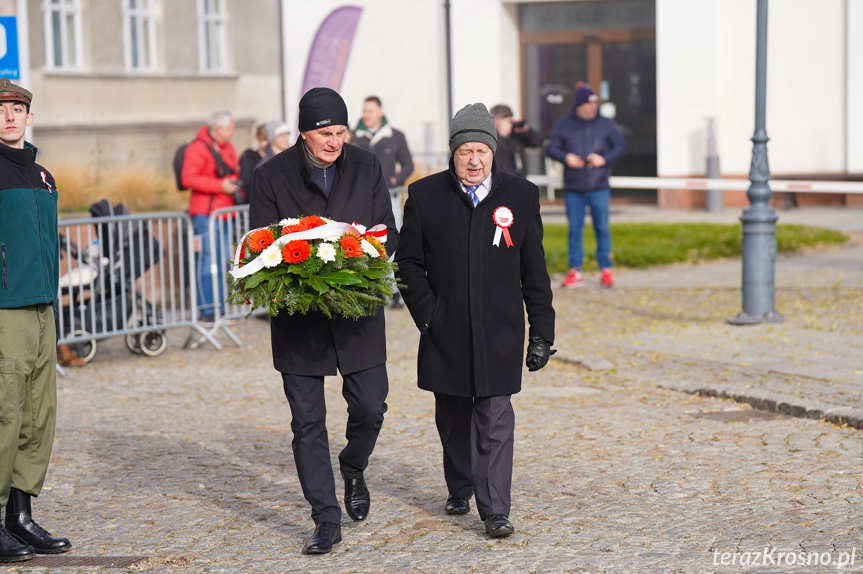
(28, 397)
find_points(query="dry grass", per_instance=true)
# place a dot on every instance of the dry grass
(138, 187)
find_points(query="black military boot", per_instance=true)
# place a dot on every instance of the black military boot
(13, 551)
(19, 523)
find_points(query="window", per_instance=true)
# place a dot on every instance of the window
(62, 34)
(139, 33)
(211, 35)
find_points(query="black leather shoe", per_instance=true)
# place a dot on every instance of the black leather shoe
(19, 523)
(498, 526)
(326, 534)
(13, 551)
(457, 506)
(357, 499)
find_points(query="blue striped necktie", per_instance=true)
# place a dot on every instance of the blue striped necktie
(471, 193)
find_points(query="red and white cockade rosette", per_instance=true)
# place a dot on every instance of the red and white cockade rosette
(503, 219)
(313, 264)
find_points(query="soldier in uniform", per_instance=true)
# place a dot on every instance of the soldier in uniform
(28, 341)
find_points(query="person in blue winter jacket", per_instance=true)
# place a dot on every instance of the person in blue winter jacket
(587, 144)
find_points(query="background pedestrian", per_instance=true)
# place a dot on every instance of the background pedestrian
(587, 144)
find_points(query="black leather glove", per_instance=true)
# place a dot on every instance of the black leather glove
(538, 353)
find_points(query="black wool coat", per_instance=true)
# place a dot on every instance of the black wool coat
(311, 344)
(471, 294)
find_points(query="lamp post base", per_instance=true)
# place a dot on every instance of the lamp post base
(744, 318)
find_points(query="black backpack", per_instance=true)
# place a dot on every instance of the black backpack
(222, 169)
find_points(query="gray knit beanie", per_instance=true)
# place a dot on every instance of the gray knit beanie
(472, 123)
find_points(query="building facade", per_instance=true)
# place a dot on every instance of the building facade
(122, 82)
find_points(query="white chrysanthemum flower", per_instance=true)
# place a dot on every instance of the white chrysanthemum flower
(370, 249)
(332, 238)
(360, 228)
(271, 256)
(291, 221)
(326, 252)
(328, 220)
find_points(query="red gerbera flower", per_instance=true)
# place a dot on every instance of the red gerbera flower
(312, 221)
(260, 240)
(295, 228)
(351, 246)
(296, 251)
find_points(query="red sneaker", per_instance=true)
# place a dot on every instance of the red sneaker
(605, 278)
(573, 279)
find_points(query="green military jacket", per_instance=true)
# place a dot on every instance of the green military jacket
(28, 230)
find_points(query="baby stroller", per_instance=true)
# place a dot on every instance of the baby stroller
(100, 296)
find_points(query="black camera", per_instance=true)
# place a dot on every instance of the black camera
(240, 196)
(519, 124)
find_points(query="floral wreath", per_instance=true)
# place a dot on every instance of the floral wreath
(313, 264)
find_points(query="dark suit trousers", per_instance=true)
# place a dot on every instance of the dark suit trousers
(477, 438)
(365, 393)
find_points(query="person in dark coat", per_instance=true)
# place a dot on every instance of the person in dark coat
(471, 256)
(249, 160)
(513, 136)
(587, 144)
(376, 134)
(321, 175)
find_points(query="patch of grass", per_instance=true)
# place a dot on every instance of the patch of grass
(641, 245)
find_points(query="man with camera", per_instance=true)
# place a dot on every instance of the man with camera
(513, 136)
(210, 171)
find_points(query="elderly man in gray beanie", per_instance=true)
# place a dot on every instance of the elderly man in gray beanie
(471, 255)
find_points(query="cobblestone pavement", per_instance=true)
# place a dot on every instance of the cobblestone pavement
(185, 459)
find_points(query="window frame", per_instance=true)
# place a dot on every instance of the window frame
(65, 8)
(143, 51)
(212, 21)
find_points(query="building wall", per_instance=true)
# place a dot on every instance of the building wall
(103, 116)
(706, 49)
(106, 116)
(854, 88)
(399, 55)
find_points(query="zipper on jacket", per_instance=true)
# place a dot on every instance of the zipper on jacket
(41, 247)
(3, 252)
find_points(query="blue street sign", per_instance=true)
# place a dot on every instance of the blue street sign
(9, 65)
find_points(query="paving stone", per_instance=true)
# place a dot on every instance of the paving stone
(637, 449)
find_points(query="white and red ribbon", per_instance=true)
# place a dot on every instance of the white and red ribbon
(328, 230)
(503, 219)
(378, 231)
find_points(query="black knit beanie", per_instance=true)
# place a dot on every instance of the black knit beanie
(322, 107)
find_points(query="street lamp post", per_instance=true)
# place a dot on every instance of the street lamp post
(759, 219)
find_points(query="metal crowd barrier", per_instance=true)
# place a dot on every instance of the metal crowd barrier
(129, 276)
(225, 229)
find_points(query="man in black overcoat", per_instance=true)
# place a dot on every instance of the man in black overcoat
(321, 175)
(471, 256)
